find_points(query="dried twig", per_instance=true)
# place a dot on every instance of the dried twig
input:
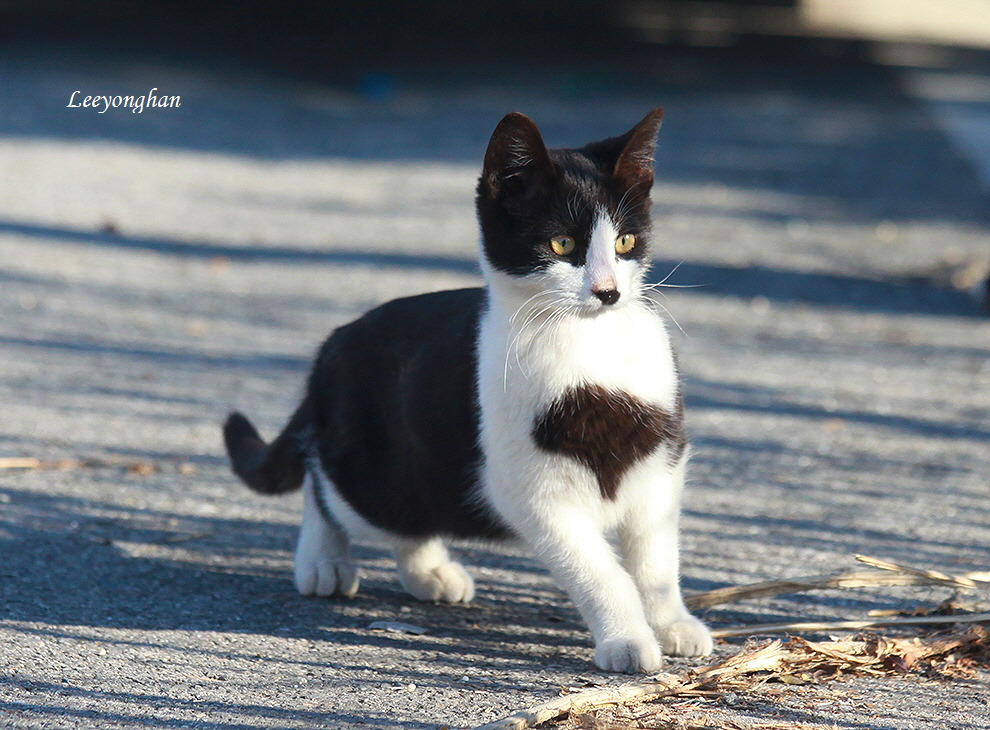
(888, 574)
(853, 579)
(799, 627)
(586, 700)
(134, 466)
(761, 659)
(968, 580)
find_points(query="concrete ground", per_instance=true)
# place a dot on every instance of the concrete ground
(159, 269)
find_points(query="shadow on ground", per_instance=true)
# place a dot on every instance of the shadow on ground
(95, 564)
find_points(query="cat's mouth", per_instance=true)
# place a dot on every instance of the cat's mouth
(594, 307)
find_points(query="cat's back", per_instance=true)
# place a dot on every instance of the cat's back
(436, 326)
(414, 321)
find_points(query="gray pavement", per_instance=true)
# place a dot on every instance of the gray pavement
(157, 270)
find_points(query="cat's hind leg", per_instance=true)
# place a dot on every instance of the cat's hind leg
(323, 564)
(428, 573)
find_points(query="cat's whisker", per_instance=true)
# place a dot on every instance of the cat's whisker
(562, 313)
(622, 209)
(662, 284)
(535, 312)
(556, 313)
(663, 281)
(654, 303)
(554, 317)
(572, 206)
(533, 316)
(519, 309)
(654, 308)
(540, 308)
(544, 300)
(543, 325)
(538, 311)
(549, 324)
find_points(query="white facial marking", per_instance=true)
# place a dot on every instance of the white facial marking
(600, 268)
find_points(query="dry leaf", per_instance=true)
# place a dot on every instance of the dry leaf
(958, 653)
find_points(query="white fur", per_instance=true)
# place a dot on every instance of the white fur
(617, 559)
(323, 564)
(532, 349)
(602, 268)
(428, 573)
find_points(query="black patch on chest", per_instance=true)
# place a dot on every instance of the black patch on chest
(608, 431)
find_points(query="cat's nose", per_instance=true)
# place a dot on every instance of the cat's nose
(607, 296)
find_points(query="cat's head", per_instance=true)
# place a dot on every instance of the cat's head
(575, 222)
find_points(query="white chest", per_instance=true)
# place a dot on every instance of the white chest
(523, 365)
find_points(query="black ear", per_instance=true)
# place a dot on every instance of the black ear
(516, 158)
(629, 158)
(635, 164)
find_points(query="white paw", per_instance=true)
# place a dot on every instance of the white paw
(447, 582)
(324, 576)
(629, 655)
(685, 637)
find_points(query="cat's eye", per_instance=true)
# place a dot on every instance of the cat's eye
(625, 243)
(562, 245)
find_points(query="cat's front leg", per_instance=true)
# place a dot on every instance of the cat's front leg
(584, 564)
(648, 540)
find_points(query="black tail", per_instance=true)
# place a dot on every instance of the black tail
(267, 468)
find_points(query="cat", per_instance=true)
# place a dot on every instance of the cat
(544, 407)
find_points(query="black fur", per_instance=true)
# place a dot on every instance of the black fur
(607, 431)
(392, 408)
(396, 404)
(269, 469)
(528, 194)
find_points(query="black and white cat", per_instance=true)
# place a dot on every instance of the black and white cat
(545, 407)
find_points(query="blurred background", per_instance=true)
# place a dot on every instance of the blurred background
(875, 109)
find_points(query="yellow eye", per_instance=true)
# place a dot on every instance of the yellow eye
(625, 243)
(562, 245)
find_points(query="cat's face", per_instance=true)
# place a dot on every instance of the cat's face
(572, 223)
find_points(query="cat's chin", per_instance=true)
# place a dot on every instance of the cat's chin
(594, 309)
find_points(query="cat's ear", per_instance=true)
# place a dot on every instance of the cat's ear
(629, 158)
(516, 160)
(635, 163)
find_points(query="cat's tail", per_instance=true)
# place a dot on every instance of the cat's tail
(268, 468)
